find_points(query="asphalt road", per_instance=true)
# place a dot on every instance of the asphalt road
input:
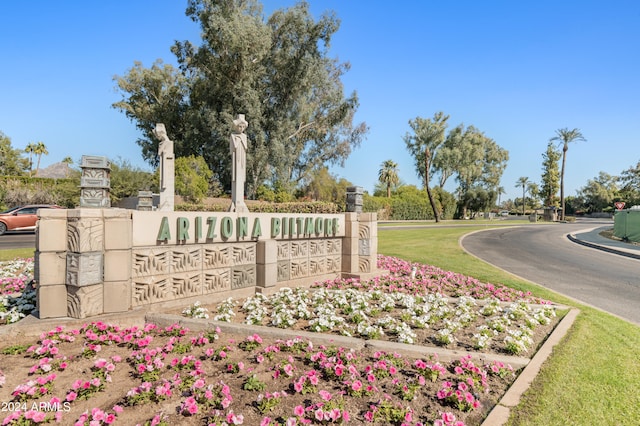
(14, 240)
(543, 254)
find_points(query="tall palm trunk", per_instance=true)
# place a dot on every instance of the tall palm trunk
(564, 158)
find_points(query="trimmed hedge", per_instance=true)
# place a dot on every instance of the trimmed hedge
(263, 207)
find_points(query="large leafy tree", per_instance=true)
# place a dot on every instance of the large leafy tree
(550, 175)
(564, 137)
(277, 72)
(629, 181)
(11, 161)
(480, 162)
(599, 193)
(522, 182)
(388, 175)
(427, 137)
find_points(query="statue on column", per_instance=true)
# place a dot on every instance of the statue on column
(167, 168)
(238, 145)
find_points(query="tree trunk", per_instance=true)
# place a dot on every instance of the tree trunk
(564, 157)
(388, 190)
(427, 161)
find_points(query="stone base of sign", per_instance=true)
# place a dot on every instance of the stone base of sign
(117, 260)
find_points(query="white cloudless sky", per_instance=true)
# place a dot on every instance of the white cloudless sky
(516, 70)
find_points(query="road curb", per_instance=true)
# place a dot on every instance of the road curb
(499, 415)
(607, 249)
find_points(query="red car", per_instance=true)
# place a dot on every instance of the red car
(22, 218)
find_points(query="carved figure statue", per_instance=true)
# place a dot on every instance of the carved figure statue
(238, 146)
(167, 168)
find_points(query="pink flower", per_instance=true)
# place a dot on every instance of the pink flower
(265, 421)
(319, 414)
(71, 396)
(356, 385)
(325, 395)
(298, 410)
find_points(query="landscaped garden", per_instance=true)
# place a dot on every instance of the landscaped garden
(103, 373)
(151, 374)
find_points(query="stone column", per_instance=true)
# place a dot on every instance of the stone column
(50, 263)
(95, 182)
(354, 199)
(145, 201)
(167, 169)
(350, 245)
(238, 147)
(266, 264)
(118, 242)
(85, 262)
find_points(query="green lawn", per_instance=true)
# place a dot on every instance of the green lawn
(592, 377)
(15, 253)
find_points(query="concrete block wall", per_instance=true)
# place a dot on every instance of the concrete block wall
(88, 262)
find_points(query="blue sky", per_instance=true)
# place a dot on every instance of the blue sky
(516, 70)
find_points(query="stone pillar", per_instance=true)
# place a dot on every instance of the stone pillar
(85, 262)
(118, 242)
(95, 182)
(354, 199)
(266, 264)
(350, 245)
(367, 243)
(50, 263)
(145, 201)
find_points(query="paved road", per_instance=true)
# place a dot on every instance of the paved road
(14, 240)
(545, 255)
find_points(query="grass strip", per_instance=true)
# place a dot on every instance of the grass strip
(11, 254)
(592, 377)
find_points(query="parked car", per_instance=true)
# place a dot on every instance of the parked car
(22, 218)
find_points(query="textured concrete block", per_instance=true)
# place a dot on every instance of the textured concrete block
(83, 302)
(51, 230)
(117, 265)
(118, 229)
(84, 269)
(85, 230)
(350, 264)
(267, 275)
(50, 268)
(267, 251)
(117, 296)
(52, 301)
(350, 246)
(351, 229)
(368, 217)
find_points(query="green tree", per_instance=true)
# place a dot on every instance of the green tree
(68, 161)
(534, 194)
(480, 162)
(550, 175)
(40, 150)
(564, 137)
(277, 72)
(323, 186)
(388, 175)
(500, 190)
(11, 161)
(428, 135)
(522, 182)
(192, 178)
(127, 180)
(629, 181)
(599, 193)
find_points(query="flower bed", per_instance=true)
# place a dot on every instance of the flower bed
(103, 374)
(17, 297)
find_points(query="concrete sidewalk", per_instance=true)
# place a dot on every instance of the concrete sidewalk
(591, 238)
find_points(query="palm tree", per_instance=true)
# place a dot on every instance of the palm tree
(30, 149)
(428, 137)
(67, 161)
(522, 182)
(388, 175)
(500, 190)
(40, 149)
(565, 137)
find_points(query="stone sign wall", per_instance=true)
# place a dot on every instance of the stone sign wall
(95, 261)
